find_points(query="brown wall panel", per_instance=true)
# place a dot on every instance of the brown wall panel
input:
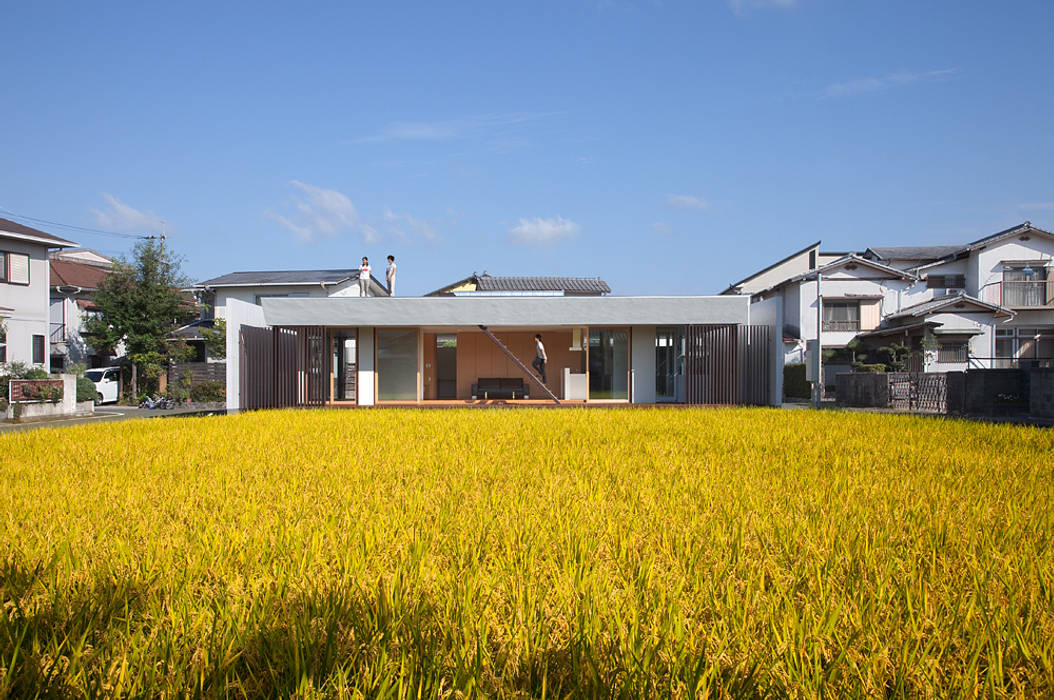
(478, 356)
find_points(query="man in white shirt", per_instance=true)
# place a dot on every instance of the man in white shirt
(540, 357)
(389, 275)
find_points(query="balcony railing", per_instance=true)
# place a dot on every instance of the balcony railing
(841, 325)
(58, 332)
(1036, 294)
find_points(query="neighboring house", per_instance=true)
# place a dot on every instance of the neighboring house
(24, 292)
(491, 285)
(989, 303)
(252, 287)
(75, 277)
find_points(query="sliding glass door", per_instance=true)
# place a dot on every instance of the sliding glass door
(344, 365)
(397, 364)
(669, 364)
(608, 363)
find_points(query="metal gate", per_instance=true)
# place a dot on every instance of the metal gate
(922, 391)
(282, 367)
(728, 364)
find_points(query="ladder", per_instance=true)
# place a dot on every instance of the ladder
(519, 364)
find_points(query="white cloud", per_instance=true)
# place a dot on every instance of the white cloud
(451, 129)
(323, 212)
(400, 223)
(539, 230)
(861, 86)
(686, 201)
(119, 216)
(741, 6)
(661, 228)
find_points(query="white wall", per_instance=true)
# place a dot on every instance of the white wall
(642, 363)
(29, 303)
(239, 314)
(796, 265)
(249, 294)
(367, 371)
(770, 313)
(987, 264)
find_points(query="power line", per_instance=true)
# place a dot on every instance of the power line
(84, 229)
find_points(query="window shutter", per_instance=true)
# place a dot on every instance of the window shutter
(18, 268)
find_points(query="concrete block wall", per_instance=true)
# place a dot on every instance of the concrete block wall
(863, 390)
(1041, 397)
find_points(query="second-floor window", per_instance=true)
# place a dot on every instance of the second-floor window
(946, 282)
(14, 268)
(841, 315)
(1026, 284)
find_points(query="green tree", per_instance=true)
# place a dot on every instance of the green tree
(216, 338)
(140, 303)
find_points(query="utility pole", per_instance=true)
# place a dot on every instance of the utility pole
(163, 236)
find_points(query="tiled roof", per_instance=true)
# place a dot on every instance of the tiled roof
(928, 307)
(580, 285)
(291, 277)
(915, 252)
(75, 274)
(20, 230)
(1023, 228)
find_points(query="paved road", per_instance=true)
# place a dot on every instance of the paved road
(108, 414)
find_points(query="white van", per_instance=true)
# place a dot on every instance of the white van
(106, 380)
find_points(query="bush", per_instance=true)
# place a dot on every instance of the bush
(85, 389)
(42, 392)
(794, 384)
(36, 373)
(875, 368)
(208, 391)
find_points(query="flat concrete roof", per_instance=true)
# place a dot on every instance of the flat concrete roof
(525, 312)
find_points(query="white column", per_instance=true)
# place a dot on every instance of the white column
(366, 368)
(642, 363)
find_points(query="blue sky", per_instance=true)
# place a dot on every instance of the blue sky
(668, 147)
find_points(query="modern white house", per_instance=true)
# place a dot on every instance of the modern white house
(349, 351)
(989, 303)
(24, 292)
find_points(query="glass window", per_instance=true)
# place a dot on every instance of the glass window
(446, 366)
(344, 365)
(608, 363)
(38, 349)
(397, 365)
(669, 362)
(953, 352)
(946, 281)
(841, 315)
(3, 341)
(3, 266)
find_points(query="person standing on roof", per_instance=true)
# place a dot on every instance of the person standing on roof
(389, 275)
(364, 278)
(540, 358)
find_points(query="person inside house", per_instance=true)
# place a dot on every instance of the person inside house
(364, 278)
(540, 357)
(389, 275)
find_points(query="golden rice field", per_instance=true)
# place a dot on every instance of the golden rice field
(528, 553)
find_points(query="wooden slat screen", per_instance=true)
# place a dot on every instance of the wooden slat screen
(256, 382)
(727, 364)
